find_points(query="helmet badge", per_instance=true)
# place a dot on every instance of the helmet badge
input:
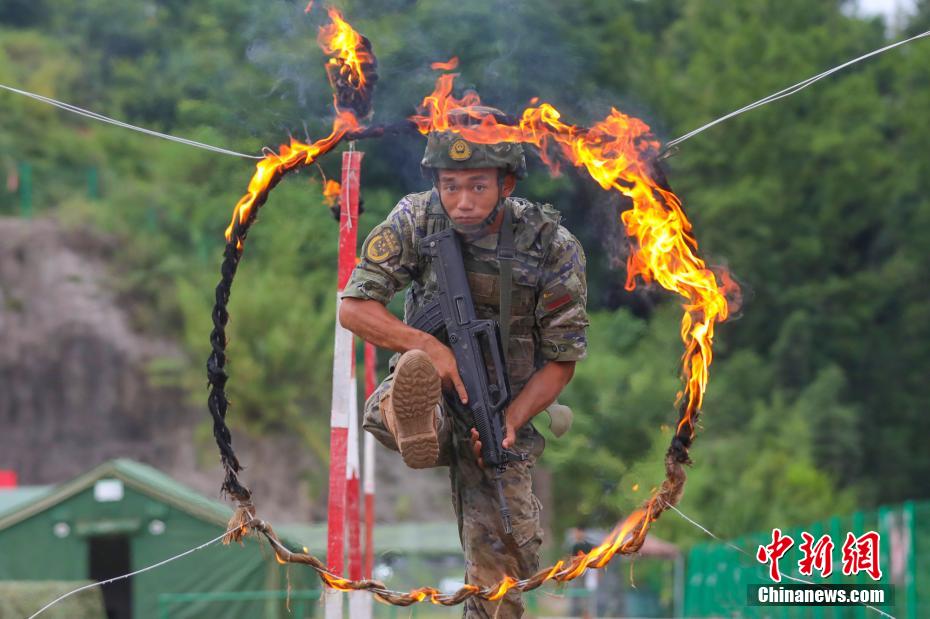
(459, 150)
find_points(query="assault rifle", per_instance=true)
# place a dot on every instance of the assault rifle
(477, 345)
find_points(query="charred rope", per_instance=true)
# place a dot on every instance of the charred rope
(629, 535)
(625, 539)
(217, 377)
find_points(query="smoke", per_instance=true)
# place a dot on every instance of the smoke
(290, 90)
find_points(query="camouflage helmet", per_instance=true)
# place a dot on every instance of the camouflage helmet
(448, 150)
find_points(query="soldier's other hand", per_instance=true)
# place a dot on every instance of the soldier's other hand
(476, 446)
(510, 439)
(510, 431)
(444, 361)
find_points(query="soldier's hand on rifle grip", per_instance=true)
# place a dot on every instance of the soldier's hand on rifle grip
(444, 361)
(476, 447)
(510, 439)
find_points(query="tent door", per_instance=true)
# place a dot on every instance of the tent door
(108, 557)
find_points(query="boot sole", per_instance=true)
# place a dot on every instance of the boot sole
(416, 392)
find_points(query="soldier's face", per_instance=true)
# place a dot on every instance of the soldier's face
(470, 195)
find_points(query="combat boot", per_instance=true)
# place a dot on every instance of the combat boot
(409, 409)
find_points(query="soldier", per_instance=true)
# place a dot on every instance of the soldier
(418, 409)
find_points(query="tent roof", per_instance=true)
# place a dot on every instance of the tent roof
(12, 498)
(135, 475)
(22, 503)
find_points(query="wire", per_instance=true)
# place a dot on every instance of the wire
(791, 90)
(131, 574)
(106, 119)
(668, 146)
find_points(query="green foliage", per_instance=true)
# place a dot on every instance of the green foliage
(622, 395)
(818, 203)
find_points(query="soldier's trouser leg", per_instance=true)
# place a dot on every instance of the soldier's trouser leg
(491, 554)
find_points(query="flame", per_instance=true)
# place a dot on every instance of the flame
(628, 534)
(331, 191)
(270, 169)
(348, 51)
(449, 65)
(424, 593)
(347, 47)
(336, 582)
(555, 569)
(617, 152)
(505, 585)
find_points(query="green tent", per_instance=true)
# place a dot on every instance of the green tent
(123, 516)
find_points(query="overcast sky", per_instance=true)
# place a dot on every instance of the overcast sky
(889, 8)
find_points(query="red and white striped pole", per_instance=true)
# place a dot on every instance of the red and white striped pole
(364, 607)
(356, 598)
(369, 477)
(342, 381)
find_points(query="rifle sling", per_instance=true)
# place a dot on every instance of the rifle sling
(505, 256)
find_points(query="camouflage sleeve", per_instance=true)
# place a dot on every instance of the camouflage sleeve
(560, 311)
(388, 260)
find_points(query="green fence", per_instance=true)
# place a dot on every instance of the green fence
(718, 576)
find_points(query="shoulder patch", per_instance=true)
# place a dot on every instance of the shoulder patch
(554, 304)
(382, 245)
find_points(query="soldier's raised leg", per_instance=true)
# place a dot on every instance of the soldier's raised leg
(405, 415)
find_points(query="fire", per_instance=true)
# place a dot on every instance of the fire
(348, 52)
(270, 169)
(617, 152)
(336, 582)
(555, 569)
(505, 585)
(347, 48)
(331, 191)
(450, 65)
(628, 534)
(425, 593)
